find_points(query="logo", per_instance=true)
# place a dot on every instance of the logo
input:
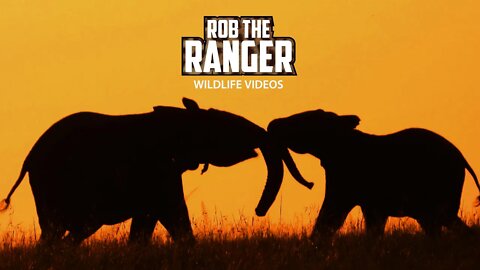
(238, 46)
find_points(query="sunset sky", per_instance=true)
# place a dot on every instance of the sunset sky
(395, 64)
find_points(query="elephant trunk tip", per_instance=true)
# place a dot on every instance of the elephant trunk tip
(309, 185)
(260, 213)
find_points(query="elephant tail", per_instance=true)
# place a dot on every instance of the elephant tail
(470, 170)
(6, 202)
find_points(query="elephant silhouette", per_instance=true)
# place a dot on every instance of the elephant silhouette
(413, 172)
(90, 169)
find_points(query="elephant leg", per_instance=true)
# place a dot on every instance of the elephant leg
(50, 243)
(175, 217)
(332, 215)
(142, 229)
(374, 222)
(459, 227)
(52, 230)
(178, 224)
(431, 227)
(52, 233)
(79, 233)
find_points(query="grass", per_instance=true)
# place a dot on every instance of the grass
(250, 243)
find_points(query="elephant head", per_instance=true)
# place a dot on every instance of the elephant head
(220, 138)
(314, 132)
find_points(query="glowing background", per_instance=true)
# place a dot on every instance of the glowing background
(396, 64)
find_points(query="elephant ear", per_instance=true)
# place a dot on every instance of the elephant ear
(190, 104)
(349, 121)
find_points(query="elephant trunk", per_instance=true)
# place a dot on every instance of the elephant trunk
(274, 164)
(287, 158)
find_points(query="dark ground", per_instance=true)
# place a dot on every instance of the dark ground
(397, 250)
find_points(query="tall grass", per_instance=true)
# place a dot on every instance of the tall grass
(244, 242)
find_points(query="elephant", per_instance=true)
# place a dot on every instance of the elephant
(91, 169)
(414, 172)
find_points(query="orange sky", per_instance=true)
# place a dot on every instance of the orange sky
(396, 64)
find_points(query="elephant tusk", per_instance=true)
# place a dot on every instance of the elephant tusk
(205, 168)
